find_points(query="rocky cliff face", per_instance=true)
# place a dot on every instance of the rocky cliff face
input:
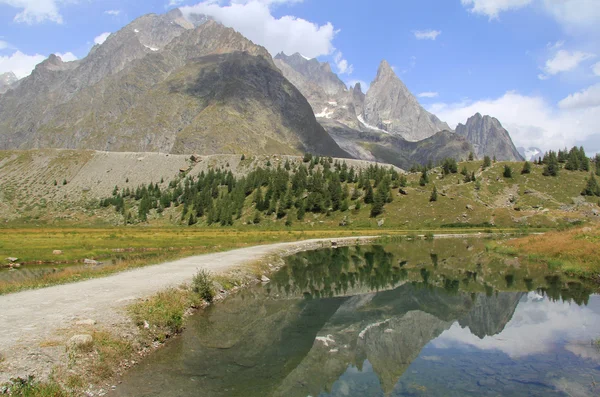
(391, 107)
(7, 80)
(165, 84)
(490, 315)
(489, 138)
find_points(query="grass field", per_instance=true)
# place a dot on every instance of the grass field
(574, 252)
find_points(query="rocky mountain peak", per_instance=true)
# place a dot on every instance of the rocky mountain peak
(385, 71)
(489, 138)
(7, 80)
(357, 89)
(391, 107)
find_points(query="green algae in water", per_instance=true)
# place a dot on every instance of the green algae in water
(426, 318)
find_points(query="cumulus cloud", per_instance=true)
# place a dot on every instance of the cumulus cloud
(342, 64)
(253, 19)
(101, 38)
(67, 56)
(575, 15)
(533, 329)
(4, 45)
(493, 8)
(596, 69)
(589, 97)
(564, 61)
(531, 120)
(428, 95)
(426, 34)
(36, 11)
(20, 64)
(114, 13)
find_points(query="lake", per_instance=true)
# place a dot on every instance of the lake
(441, 318)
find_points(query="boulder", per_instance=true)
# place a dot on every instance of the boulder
(469, 207)
(264, 279)
(57, 252)
(90, 262)
(12, 259)
(380, 222)
(82, 341)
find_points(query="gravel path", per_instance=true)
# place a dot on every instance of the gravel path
(30, 320)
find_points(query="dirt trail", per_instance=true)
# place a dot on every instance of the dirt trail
(31, 320)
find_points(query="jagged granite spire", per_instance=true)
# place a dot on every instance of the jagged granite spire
(390, 106)
(489, 138)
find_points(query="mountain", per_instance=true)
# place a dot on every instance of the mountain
(387, 148)
(326, 93)
(489, 138)
(7, 80)
(391, 107)
(356, 120)
(531, 153)
(163, 83)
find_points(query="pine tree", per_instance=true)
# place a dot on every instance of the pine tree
(464, 171)
(257, 218)
(434, 194)
(551, 167)
(487, 162)
(592, 187)
(403, 181)
(507, 171)
(369, 193)
(378, 203)
(424, 178)
(471, 156)
(526, 168)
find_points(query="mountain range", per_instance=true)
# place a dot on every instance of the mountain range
(173, 84)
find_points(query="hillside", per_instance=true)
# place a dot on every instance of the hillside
(29, 194)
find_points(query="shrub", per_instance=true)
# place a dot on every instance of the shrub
(202, 284)
(526, 168)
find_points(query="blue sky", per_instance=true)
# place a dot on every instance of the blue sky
(533, 64)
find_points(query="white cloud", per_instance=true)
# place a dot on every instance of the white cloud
(253, 19)
(426, 34)
(4, 45)
(575, 15)
(67, 56)
(530, 120)
(342, 64)
(596, 69)
(36, 11)
(589, 97)
(493, 8)
(113, 12)
(428, 95)
(534, 329)
(101, 38)
(20, 64)
(564, 61)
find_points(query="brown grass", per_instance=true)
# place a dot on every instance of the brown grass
(575, 252)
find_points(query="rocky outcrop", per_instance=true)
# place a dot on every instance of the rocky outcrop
(7, 80)
(489, 138)
(391, 107)
(165, 84)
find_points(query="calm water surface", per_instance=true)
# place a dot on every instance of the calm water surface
(406, 319)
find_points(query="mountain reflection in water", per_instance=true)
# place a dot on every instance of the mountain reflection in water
(409, 319)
